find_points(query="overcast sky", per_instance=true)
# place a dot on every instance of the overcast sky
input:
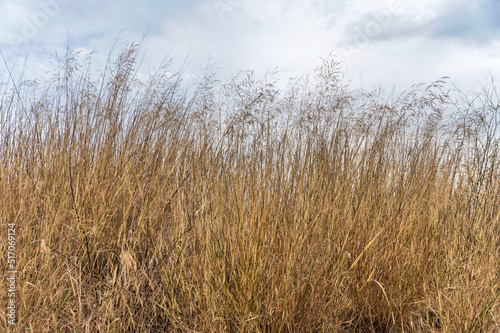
(386, 42)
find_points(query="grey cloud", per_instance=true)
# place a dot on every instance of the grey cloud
(467, 23)
(461, 21)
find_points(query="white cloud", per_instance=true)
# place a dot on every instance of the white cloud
(261, 35)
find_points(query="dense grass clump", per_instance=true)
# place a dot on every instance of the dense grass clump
(242, 208)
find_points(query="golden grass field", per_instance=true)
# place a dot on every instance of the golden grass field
(241, 209)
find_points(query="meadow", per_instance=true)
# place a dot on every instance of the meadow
(239, 207)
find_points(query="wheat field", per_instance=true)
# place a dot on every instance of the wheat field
(239, 207)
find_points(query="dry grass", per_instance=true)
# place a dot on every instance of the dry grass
(241, 209)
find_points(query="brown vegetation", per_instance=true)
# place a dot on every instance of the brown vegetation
(247, 209)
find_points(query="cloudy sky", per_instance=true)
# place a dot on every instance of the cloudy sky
(386, 42)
